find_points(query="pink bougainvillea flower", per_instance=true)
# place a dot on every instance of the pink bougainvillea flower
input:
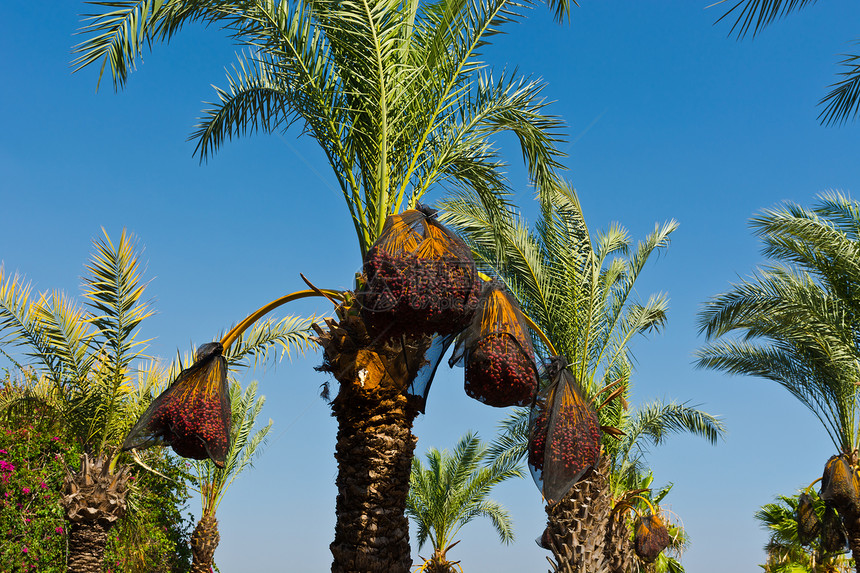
(43, 485)
(25, 550)
(26, 490)
(58, 529)
(26, 520)
(55, 439)
(3, 451)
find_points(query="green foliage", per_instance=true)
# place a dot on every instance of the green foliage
(33, 531)
(843, 101)
(153, 536)
(785, 553)
(213, 481)
(452, 491)
(392, 91)
(797, 320)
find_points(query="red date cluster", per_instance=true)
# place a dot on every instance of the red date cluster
(568, 446)
(500, 372)
(408, 294)
(193, 424)
(650, 538)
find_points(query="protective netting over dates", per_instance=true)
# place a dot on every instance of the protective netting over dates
(808, 524)
(421, 279)
(497, 352)
(840, 485)
(193, 414)
(564, 434)
(650, 538)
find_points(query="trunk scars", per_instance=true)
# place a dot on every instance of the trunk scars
(375, 444)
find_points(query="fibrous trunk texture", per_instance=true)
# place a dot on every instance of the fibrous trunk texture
(93, 501)
(87, 542)
(584, 534)
(374, 448)
(204, 541)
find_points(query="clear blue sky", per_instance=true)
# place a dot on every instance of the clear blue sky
(668, 118)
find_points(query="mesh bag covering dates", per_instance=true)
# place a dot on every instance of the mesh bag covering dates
(421, 279)
(564, 434)
(650, 538)
(839, 484)
(808, 525)
(193, 415)
(833, 538)
(497, 352)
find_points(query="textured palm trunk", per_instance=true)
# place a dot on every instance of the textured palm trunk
(93, 500)
(87, 542)
(851, 521)
(374, 448)
(204, 541)
(585, 536)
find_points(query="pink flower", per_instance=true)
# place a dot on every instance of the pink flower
(26, 520)
(58, 529)
(3, 451)
(26, 490)
(25, 550)
(55, 439)
(43, 485)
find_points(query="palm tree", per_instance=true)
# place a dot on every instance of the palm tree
(82, 359)
(797, 321)
(395, 96)
(577, 292)
(842, 102)
(786, 553)
(452, 491)
(213, 481)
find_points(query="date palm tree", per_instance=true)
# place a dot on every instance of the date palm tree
(786, 553)
(578, 293)
(797, 321)
(842, 102)
(213, 481)
(82, 360)
(394, 94)
(452, 491)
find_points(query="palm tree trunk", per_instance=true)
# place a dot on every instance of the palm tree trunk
(851, 521)
(93, 500)
(582, 533)
(375, 446)
(87, 542)
(204, 541)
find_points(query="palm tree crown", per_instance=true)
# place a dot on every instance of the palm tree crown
(392, 91)
(452, 491)
(797, 318)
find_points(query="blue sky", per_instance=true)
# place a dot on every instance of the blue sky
(667, 118)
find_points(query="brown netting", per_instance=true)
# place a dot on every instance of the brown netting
(650, 537)
(497, 352)
(193, 414)
(839, 484)
(808, 524)
(420, 279)
(564, 433)
(833, 538)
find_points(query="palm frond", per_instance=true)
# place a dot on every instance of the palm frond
(755, 15)
(843, 101)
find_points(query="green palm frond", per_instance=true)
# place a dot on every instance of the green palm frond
(392, 92)
(213, 481)
(755, 15)
(19, 324)
(452, 490)
(794, 321)
(254, 346)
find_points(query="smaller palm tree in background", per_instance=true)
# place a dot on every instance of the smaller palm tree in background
(452, 491)
(797, 323)
(786, 551)
(213, 481)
